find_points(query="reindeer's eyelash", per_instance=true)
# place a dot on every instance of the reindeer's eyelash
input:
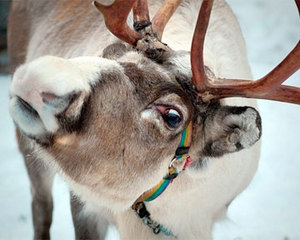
(172, 118)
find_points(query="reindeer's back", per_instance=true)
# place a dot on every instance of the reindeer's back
(75, 28)
(57, 27)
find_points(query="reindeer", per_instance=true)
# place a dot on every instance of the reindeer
(121, 118)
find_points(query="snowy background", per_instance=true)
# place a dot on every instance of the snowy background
(269, 209)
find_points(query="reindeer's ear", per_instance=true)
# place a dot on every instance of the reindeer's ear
(115, 51)
(49, 94)
(230, 129)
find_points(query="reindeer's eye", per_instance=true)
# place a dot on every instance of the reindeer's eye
(172, 118)
(170, 114)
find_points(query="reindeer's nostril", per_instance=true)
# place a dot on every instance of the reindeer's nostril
(27, 106)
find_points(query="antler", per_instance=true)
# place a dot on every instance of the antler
(116, 14)
(163, 15)
(140, 11)
(269, 87)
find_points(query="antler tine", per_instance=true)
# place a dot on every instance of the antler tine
(140, 11)
(115, 16)
(268, 87)
(163, 15)
(197, 62)
(283, 70)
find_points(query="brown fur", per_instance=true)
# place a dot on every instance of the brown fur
(104, 147)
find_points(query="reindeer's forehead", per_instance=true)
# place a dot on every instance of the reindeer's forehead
(149, 80)
(145, 78)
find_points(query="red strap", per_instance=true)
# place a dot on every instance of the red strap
(188, 162)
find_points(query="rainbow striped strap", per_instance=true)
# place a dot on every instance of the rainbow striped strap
(159, 188)
(181, 153)
(139, 206)
(185, 143)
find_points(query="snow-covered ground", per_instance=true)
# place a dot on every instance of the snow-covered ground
(269, 209)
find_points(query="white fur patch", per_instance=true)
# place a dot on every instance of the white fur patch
(146, 114)
(91, 67)
(151, 115)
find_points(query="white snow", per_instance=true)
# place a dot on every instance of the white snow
(268, 209)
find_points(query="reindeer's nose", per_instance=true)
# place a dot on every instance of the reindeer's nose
(42, 117)
(45, 87)
(27, 106)
(41, 89)
(26, 117)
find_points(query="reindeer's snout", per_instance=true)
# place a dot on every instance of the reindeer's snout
(42, 89)
(30, 83)
(26, 106)
(47, 87)
(26, 117)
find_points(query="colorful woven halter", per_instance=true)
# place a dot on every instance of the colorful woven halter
(180, 154)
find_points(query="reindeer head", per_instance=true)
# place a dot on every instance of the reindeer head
(108, 122)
